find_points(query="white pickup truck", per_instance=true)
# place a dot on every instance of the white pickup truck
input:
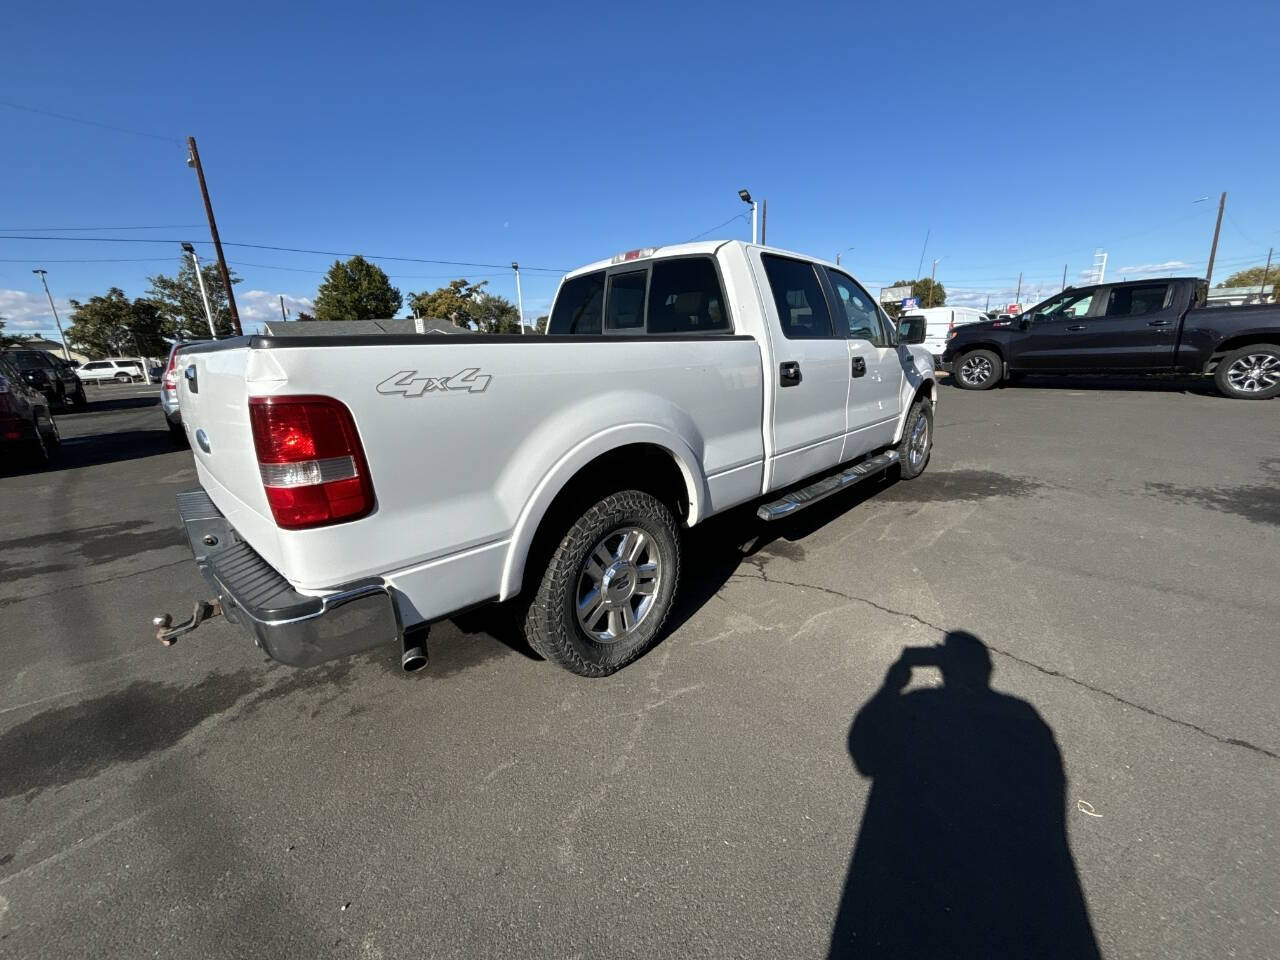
(355, 489)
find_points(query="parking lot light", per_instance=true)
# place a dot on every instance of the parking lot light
(66, 354)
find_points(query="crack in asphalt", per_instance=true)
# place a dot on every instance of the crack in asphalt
(10, 601)
(1047, 671)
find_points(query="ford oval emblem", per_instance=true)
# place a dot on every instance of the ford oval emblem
(202, 439)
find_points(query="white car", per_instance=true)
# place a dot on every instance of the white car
(120, 370)
(354, 489)
(940, 321)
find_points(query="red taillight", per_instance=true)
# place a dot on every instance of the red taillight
(310, 459)
(171, 372)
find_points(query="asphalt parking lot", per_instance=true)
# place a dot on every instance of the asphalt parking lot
(1114, 546)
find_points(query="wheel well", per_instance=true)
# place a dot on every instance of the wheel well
(970, 347)
(1235, 343)
(636, 466)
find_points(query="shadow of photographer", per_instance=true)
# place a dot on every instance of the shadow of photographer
(962, 852)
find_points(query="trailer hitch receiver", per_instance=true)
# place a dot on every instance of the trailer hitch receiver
(167, 632)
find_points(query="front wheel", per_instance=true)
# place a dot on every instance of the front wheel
(977, 370)
(916, 444)
(123, 378)
(608, 587)
(1250, 373)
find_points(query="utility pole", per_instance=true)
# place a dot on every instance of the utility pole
(987, 308)
(745, 196)
(283, 315)
(519, 296)
(66, 355)
(1262, 288)
(1017, 297)
(193, 160)
(933, 280)
(1064, 276)
(920, 265)
(1213, 251)
(208, 312)
(764, 218)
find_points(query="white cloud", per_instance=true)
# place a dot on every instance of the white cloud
(258, 306)
(1146, 269)
(29, 312)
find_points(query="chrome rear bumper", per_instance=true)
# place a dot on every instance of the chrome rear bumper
(291, 627)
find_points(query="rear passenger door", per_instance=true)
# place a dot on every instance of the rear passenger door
(1136, 330)
(809, 375)
(875, 370)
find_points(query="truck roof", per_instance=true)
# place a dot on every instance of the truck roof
(705, 247)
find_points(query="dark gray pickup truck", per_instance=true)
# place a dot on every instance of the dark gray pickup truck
(1143, 326)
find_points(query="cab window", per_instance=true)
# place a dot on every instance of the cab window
(624, 307)
(859, 310)
(685, 297)
(1134, 301)
(797, 294)
(579, 306)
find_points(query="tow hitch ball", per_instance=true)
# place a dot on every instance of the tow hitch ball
(167, 632)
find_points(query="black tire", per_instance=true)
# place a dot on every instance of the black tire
(976, 370)
(911, 464)
(551, 622)
(123, 378)
(177, 434)
(79, 400)
(46, 441)
(1237, 374)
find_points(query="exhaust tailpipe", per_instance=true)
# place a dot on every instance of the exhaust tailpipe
(414, 657)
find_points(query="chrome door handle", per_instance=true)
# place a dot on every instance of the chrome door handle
(1159, 323)
(1077, 327)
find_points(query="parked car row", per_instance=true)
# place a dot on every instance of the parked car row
(27, 427)
(54, 377)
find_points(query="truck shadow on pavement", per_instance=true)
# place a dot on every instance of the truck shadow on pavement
(963, 850)
(1199, 386)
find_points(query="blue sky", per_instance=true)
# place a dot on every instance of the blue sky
(1021, 136)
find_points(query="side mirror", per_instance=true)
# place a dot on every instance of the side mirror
(911, 330)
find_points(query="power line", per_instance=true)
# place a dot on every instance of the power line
(89, 123)
(719, 226)
(267, 246)
(396, 276)
(163, 226)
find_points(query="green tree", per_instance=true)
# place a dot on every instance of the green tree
(114, 325)
(452, 302)
(5, 341)
(1251, 277)
(494, 314)
(927, 292)
(181, 307)
(356, 290)
(540, 325)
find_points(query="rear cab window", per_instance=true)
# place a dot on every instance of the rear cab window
(671, 296)
(1135, 301)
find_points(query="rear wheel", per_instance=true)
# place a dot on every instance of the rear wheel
(78, 399)
(977, 370)
(177, 434)
(1250, 373)
(46, 441)
(916, 444)
(123, 377)
(610, 583)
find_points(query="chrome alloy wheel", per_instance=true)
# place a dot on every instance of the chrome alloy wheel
(976, 370)
(918, 445)
(617, 584)
(1254, 373)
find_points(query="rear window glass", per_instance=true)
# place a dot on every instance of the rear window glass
(802, 307)
(1133, 301)
(685, 297)
(579, 306)
(625, 307)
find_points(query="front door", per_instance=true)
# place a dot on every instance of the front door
(875, 370)
(1056, 338)
(810, 374)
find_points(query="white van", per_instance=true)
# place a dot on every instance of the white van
(940, 321)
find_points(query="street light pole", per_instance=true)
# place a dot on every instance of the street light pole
(933, 281)
(519, 296)
(845, 250)
(66, 354)
(745, 196)
(208, 313)
(1217, 228)
(193, 160)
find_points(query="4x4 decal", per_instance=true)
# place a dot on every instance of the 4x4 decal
(409, 384)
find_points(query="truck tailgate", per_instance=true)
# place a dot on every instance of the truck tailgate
(213, 394)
